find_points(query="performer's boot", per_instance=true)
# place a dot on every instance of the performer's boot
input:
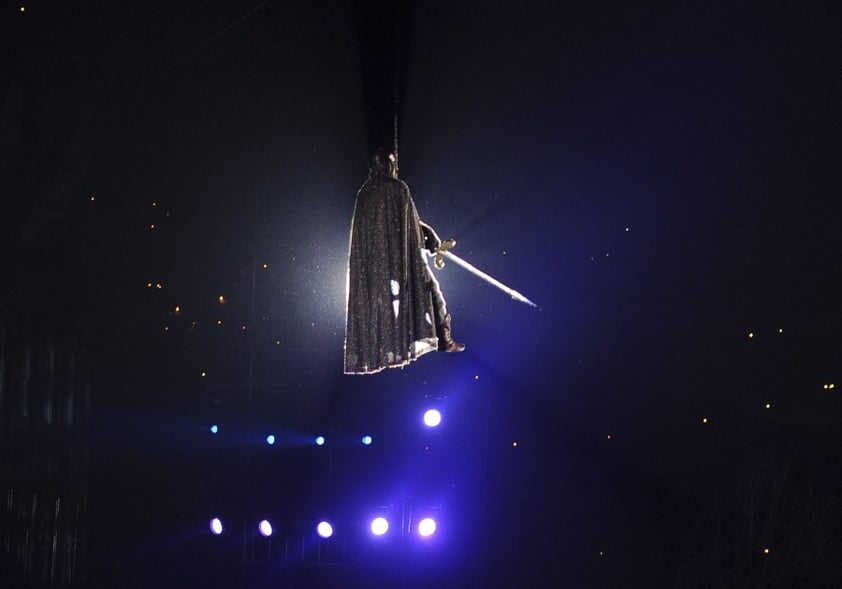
(446, 343)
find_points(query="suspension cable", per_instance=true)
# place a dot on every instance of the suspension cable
(396, 97)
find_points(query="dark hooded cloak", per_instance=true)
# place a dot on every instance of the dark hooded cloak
(390, 315)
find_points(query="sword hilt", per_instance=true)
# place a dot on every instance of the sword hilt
(445, 245)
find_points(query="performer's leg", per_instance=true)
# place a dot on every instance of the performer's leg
(442, 318)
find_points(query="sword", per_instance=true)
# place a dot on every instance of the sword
(443, 253)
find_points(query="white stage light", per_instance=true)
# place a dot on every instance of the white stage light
(216, 526)
(320, 440)
(265, 528)
(379, 526)
(270, 439)
(432, 418)
(324, 529)
(366, 440)
(427, 527)
(214, 429)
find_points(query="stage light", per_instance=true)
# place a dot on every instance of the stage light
(214, 429)
(366, 440)
(427, 527)
(320, 440)
(379, 526)
(265, 528)
(324, 529)
(216, 526)
(270, 439)
(432, 418)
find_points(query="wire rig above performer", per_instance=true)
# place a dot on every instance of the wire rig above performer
(395, 310)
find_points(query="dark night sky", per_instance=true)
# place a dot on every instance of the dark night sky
(661, 178)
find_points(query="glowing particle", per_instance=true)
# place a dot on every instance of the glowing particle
(628, 229)
(204, 373)
(154, 203)
(766, 550)
(781, 330)
(514, 444)
(768, 405)
(265, 265)
(704, 419)
(750, 334)
(93, 198)
(152, 225)
(23, 8)
(829, 386)
(219, 321)
(476, 377)
(277, 342)
(177, 309)
(148, 285)
(608, 437)
(166, 327)
(243, 328)
(221, 300)
(159, 285)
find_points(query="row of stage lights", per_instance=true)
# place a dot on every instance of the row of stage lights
(431, 418)
(379, 526)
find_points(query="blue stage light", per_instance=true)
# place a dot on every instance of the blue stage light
(270, 439)
(366, 440)
(432, 418)
(320, 440)
(216, 526)
(265, 528)
(427, 527)
(379, 526)
(324, 529)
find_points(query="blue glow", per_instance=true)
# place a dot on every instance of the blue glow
(432, 418)
(324, 529)
(270, 439)
(366, 440)
(214, 429)
(379, 526)
(265, 528)
(320, 440)
(216, 526)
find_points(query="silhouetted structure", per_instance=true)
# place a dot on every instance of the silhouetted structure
(44, 458)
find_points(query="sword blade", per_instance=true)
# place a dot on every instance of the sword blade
(489, 279)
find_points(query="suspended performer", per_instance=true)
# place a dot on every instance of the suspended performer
(396, 312)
